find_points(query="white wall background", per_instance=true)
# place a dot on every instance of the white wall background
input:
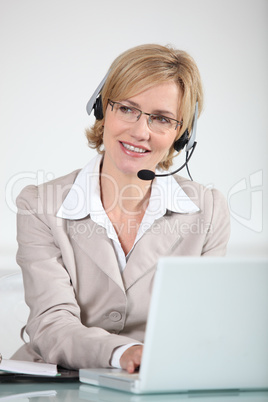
(55, 52)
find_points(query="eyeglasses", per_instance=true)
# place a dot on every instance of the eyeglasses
(157, 123)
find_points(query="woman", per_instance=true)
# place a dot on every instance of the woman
(89, 242)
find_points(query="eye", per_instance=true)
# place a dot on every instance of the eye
(160, 119)
(125, 109)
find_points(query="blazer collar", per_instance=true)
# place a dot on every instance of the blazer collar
(83, 198)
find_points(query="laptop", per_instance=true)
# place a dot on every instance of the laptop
(207, 329)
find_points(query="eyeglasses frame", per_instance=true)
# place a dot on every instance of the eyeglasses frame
(178, 122)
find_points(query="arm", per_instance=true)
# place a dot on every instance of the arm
(219, 230)
(54, 325)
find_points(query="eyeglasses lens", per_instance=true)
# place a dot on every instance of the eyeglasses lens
(157, 123)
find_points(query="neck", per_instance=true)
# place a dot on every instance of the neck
(123, 192)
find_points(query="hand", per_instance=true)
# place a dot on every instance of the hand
(131, 358)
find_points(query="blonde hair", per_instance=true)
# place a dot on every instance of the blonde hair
(142, 67)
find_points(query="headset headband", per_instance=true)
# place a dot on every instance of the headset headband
(193, 133)
(93, 98)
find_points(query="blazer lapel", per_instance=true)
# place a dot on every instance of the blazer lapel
(155, 243)
(93, 241)
(158, 241)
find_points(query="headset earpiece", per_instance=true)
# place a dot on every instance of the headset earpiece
(182, 141)
(185, 139)
(98, 111)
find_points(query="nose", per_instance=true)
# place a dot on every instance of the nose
(140, 130)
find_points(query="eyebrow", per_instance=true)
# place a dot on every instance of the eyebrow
(157, 111)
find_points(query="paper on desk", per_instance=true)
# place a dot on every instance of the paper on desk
(23, 367)
(26, 396)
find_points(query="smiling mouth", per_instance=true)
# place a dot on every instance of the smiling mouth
(134, 149)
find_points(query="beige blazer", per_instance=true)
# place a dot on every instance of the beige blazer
(81, 306)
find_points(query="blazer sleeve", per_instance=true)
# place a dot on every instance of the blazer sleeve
(219, 227)
(54, 326)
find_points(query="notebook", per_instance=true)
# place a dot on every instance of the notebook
(207, 329)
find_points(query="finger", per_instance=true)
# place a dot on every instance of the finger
(133, 364)
(131, 367)
(131, 358)
(137, 358)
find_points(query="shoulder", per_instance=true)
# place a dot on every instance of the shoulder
(205, 197)
(53, 191)
(213, 215)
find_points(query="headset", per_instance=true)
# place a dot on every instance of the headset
(189, 142)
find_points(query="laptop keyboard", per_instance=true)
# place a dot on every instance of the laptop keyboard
(124, 374)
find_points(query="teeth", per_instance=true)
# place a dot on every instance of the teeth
(133, 149)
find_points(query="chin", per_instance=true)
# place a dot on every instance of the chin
(129, 170)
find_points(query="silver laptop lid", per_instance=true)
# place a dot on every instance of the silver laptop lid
(208, 325)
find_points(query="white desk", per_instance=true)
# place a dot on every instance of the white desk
(75, 391)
